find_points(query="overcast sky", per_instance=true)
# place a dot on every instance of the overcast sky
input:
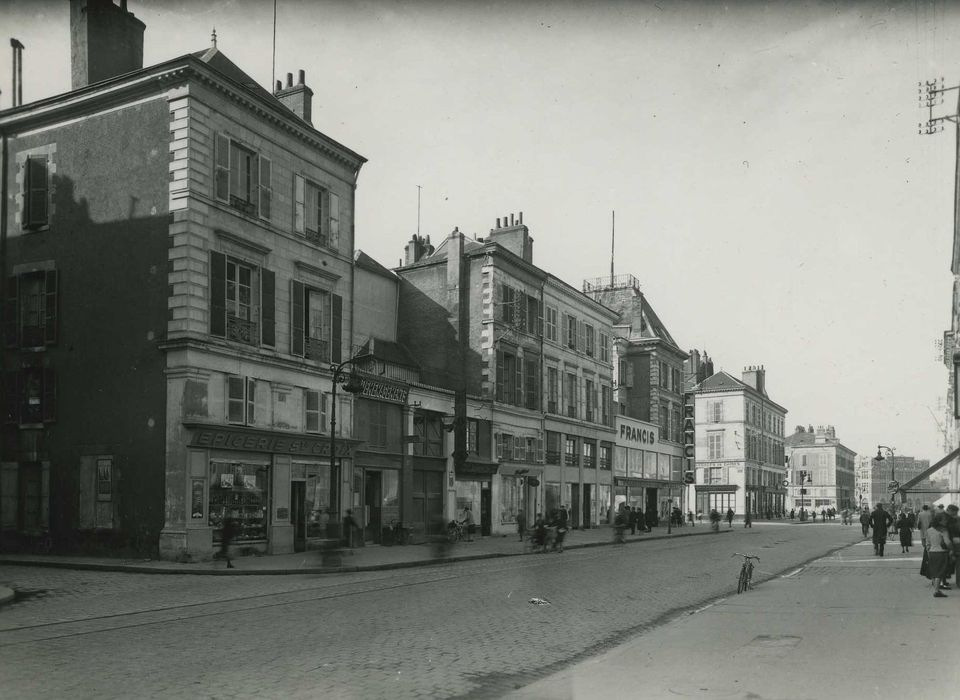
(772, 194)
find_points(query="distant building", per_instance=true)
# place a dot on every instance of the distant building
(822, 470)
(903, 469)
(739, 444)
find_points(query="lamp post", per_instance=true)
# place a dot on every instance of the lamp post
(893, 465)
(353, 385)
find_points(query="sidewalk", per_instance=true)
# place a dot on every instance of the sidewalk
(369, 558)
(847, 625)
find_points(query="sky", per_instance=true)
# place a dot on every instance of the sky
(772, 194)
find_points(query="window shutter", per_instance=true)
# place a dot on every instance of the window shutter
(36, 191)
(564, 330)
(518, 387)
(501, 385)
(11, 306)
(11, 397)
(251, 401)
(540, 457)
(336, 331)
(221, 186)
(299, 201)
(629, 375)
(268, 307)
(296, 318)
(266, 187)
(539, 318)
(50, 292)
(218, 294)
(333, 220)
(498, 443)
(581, 336)
(49, 395)
(518, 448)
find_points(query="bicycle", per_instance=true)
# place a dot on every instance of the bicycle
(746, 571)
(455, 532)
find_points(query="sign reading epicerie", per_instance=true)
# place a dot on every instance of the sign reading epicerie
(225, 439)
(635, 432)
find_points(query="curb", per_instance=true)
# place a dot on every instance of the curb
(139, 569)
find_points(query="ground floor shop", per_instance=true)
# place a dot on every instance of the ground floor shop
(647, 471)
(655, 499)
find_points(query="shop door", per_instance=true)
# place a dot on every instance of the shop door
(575, 505)
(298, 517)
(587, 503)
(30, 498)
(652, 510)
(486, 504)
(372, 501)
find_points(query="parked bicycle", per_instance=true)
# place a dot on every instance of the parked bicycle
(455, 532)
(746, 571)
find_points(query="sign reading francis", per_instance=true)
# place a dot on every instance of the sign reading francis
(225, 439)
(641, 435)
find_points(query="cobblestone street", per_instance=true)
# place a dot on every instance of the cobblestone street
(457, 629)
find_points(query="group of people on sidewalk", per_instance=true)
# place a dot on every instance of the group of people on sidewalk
(939, 536)
(548, 532)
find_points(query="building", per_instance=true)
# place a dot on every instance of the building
(864, 482)
(483, 320)
(178, 257)
(822, 470)
(739, 445)
(648, 398)
(901, 468)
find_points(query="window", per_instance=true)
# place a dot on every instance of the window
(316, 213)
(664, 376)
(504, 444)
(570, 395)
(242, 178)
(30, 311)
(509, 378)
(30, 395)
(605, 460)
(241, 400)
(534, 316)
(315, 328)
(509, 307)
(531, 383)
(606, 402)
(822, 459)
(590, 398)
(571, 338)
(604, 347)
(677, 382)
(570, 451)
(553, 389)
(663, 420)
(428, 427)
(377, 421)
(315, 411)
(714, 475)
(36, 192)
(715, 445)
(553, 448)
(676, 424)
(716, 411)
(589, 454)
(242, 301)
(589, 344)
(473, 436)
(551, 323)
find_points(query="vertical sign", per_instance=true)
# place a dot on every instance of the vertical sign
(689, 430)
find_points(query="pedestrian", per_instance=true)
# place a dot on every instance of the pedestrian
(924, 520)
(715, 519)
(939, 546)
(690, 518)
(350, 526)
(814, 515)
(793, 512)
(561, 530)
(906, 535)
(700, 516)
(227, 533)
(747, 520)
(521, 524)
(864, 521)
(632, 520)
(729, 517)
(879, 521)
(564, 517)
(469, 523)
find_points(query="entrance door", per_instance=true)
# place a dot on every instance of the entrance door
(298, 518)
(587, 506)
(486, 503)
(652, 510)
(372, 501)
(575, 504)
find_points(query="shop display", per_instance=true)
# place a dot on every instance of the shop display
(238, 491)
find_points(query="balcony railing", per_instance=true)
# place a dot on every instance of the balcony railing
(553, 457)
(248, 208)
(316, 349)
(318, 238)
(241, 330)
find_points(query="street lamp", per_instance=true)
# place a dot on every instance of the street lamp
(353, 385)
(893, 465)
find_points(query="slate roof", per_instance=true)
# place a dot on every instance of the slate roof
(365, 262)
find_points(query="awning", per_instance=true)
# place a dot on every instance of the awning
(477, 469)
(643, 483)
(717, 488)
(927, 472)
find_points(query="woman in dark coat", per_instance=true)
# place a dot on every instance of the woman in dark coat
(906, 534)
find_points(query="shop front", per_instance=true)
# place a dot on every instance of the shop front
(646, 471)
(719, 497)
(474, 489)
(279, 489)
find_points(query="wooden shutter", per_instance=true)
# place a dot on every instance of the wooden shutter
(333, 220)
(218, 294)
(499, 312)
(221, 185)
(11, 307)
(299, 200)
(564, 330)
(296, 318)
(336, 332)
(268, 307)
(266, 188)
(539, 318)
(518, 377)
(11, 397)
(581, 336)
(49, 400)
(50, 293)
(36, 200)
(500, 384)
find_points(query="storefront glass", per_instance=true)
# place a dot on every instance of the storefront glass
(650, 465)
(552, 496)
(239, 491)
(603, 503)
(316, 496)
(468, 496)
(635, 462)
(620, 461)
(390, 507)
(510, 494)
(663, 466)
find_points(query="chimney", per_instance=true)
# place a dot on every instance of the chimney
(417, 249)
(297, 98)
(755, 376)
(17, 72)
(105, 41)
(513, 236)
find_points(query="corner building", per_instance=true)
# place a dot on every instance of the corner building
(178, 266)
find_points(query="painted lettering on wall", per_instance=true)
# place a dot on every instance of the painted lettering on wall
(641, 435)
(217, 438)
(689, 429)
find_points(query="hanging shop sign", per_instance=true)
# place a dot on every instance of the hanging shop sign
(387, 391)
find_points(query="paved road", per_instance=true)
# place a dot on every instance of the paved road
(465, 629)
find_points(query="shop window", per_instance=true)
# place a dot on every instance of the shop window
(315, 411)
(242, 301)
(551, 497)
(238, 491)
(511, 490)
(242, 177)
(241, 400)
(30, 310)
(316, 214)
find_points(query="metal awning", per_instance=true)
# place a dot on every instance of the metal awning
(927, 472)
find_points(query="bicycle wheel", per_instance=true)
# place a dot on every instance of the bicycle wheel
(742, 583)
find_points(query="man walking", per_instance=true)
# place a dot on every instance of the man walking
(879, 520)
(864, 521)
(729, 517)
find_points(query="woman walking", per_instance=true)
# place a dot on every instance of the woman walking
(939, 546)
(906, 533)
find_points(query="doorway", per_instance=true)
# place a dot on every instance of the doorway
(486, 506)
(575, 505)
(652, 508)
(587, 506)
(372, 502)
(298, 517)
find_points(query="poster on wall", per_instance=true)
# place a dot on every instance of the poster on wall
(226, 481)
(196, 499)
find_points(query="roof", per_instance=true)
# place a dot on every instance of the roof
(388, 351)
(365, 262)
(214, 58)
(800, 439)
(723, 381)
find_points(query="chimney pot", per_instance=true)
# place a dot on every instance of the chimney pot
(511, 219)
(302, 76)
(289, 79)
(521, 218)
(498, 222)
(279, 86)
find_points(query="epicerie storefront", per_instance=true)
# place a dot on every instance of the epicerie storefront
(280, 488)
(647, 473)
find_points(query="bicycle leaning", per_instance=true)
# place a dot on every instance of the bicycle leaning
(746, 571)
